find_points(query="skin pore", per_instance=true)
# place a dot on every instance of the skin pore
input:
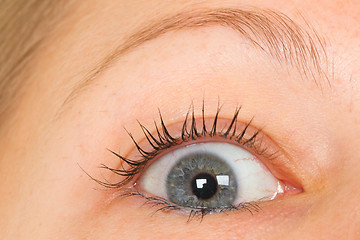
(83, 88)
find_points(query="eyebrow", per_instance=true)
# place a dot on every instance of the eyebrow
(271, 31)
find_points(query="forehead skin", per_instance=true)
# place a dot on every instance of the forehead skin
(46, 195)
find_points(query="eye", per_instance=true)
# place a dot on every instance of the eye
(199, 169)
(211, 175)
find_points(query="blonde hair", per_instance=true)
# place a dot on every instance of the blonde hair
(24, 24)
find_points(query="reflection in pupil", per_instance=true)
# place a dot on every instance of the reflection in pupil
(204, 186)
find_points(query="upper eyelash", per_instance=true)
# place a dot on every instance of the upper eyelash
(162, 140)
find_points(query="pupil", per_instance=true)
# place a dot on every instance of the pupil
(204, 186)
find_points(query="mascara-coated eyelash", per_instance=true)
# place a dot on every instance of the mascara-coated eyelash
(163, 140)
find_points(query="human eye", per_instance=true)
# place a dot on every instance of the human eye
(203, 165)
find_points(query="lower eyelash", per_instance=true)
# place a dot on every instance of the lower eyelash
(165, 206)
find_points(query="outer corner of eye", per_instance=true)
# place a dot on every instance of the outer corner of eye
(215, 176)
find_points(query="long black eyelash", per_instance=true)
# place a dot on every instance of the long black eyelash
(162, 139)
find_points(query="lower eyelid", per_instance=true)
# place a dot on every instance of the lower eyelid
(151, 207)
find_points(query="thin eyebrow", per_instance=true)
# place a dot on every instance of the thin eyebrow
(273, 32)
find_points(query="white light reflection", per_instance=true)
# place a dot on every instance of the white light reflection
(200, 182)
(223, 180)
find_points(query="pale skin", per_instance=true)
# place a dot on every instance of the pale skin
(45, 143)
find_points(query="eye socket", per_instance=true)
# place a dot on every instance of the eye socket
(210, 175)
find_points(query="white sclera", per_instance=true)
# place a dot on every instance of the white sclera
(254, 180)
